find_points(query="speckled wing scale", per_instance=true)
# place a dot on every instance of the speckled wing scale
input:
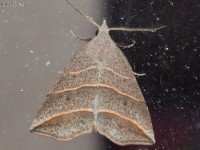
(97, 91)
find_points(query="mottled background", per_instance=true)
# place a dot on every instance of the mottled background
(35, 46)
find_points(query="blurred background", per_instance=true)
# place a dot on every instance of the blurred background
(36, 44)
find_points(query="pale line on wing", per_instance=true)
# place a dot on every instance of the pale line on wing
(132, 121)
(96, 67)
(95, 85)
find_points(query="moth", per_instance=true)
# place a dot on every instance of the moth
(97, 91)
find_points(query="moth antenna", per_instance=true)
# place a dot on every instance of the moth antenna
(137, 29)
(83, 14)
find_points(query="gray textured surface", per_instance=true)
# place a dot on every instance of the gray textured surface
(35, 45)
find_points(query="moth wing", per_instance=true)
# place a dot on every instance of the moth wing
(123, 116)
(66, 111)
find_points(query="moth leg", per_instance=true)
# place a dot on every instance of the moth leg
(139, 74)
(137, 29)
(126, 46)
(80, 38)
